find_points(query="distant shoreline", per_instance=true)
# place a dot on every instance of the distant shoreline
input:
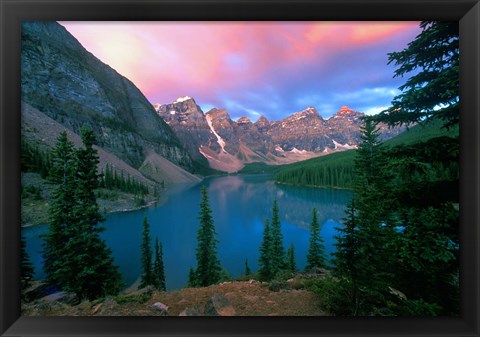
(124, 210)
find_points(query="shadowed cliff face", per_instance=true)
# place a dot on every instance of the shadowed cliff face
(70, 85)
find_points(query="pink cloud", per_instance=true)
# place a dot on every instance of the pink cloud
(169, 59)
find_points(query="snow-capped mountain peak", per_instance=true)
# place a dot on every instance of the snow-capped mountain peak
(182, 99)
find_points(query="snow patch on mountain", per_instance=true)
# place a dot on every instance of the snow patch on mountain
(345, 146)
(182, 99)
(295, 150)
(220, 140)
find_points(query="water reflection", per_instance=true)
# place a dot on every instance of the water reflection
(240, 204)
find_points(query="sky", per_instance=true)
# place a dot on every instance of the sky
(255, 68)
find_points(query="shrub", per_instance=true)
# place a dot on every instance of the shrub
(277, 285)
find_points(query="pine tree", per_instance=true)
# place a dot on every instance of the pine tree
(266, 254)
(348, 263)
(208, 265)
(146, 256)
(433, 89)
(192, 278)
(247, 268)
(291, 264)
(87, 267)
(60, 208)
(158, 268)
(278, 251)
(316, 249)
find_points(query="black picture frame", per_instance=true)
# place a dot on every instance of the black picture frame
(13, 12)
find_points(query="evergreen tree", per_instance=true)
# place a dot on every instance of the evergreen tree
(278, 251)
(192, 278)
(247, 268)
(158, 268)
(86, 267)
(266, 254)
(26, 267)
(316, 249)
(347, 262)
(60, 208)
(208, 264)
(376, 226)
(368, 233)
(401, 228)
(146, 256)
(291, 264)
(433, 89)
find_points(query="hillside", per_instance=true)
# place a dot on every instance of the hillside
(336, 169)
(70, 85)
(42, 131)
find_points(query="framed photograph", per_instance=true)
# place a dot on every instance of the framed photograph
(287, 168)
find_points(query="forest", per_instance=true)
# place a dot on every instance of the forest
(397, 251)
(399, 238)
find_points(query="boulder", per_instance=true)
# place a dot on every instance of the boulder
(162, 308)
(218, 305)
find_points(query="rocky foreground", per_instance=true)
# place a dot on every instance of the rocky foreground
(248, 298)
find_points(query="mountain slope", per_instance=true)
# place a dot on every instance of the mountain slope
(73, 87)
(338, 167)
(41, 130)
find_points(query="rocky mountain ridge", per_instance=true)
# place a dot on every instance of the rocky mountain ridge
(42, 131)
(228, 144)
(63, 80)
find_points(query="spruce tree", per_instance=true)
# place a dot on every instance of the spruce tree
(291, 264)
(432, 91)
(192, 278)
(266, 254)
(348, 262)
(146, 256)
(247, 268)
(278, 251)
(208, 265)
(316, 249)
(374, 205)
(87, 268)
(158, 268)
(60, 209)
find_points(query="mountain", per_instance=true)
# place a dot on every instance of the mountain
(303, 131)
(336, 170)
(228, 145)
(39, 129)
(64, 81)
(188, 122)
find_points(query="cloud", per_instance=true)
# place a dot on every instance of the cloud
(373, 110)
(269, 68)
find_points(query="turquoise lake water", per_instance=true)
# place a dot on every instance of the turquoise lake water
(240, 204)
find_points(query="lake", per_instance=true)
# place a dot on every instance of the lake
(239, 204)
